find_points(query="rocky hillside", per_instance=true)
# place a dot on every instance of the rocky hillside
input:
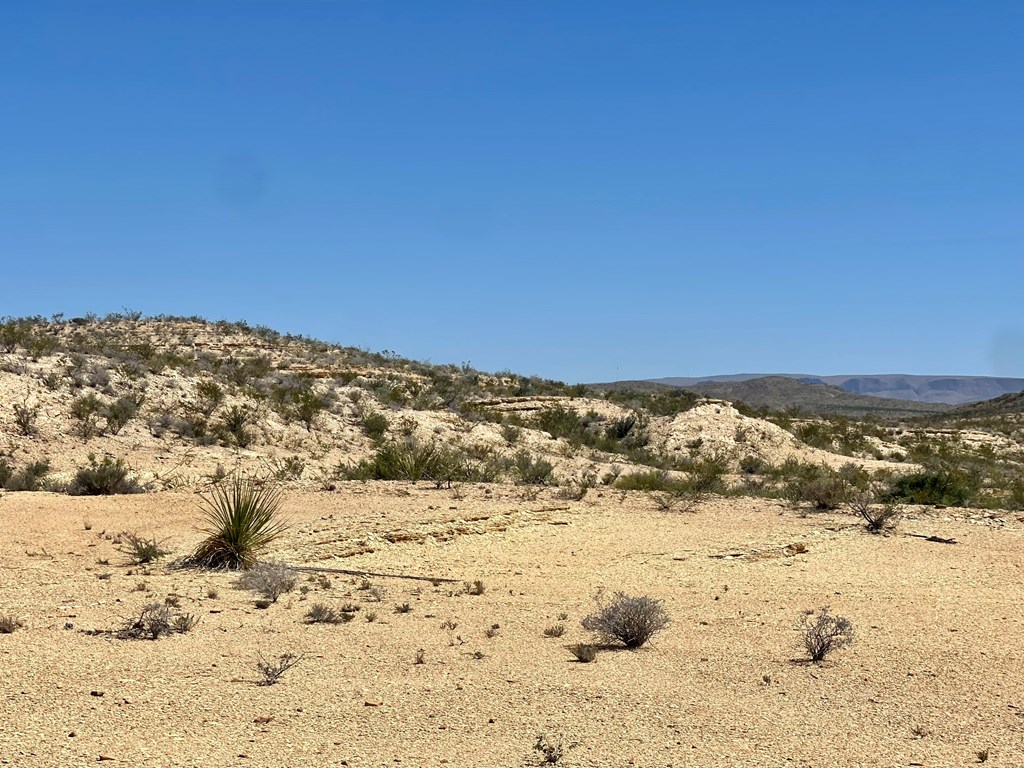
(183, 400)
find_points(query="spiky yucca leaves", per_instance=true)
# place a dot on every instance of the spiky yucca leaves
(241, 517)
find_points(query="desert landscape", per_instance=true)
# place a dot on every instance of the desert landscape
(449, 538)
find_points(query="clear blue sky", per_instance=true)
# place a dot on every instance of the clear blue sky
(582, 190)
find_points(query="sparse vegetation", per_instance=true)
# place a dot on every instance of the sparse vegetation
(629, 620)
(550, 751)
(104, 478)
(821, 632)
(242, 519)
(271, 580)
(8, 624)
(272, 670)
(877, 517)
(319, 613)
(585, 653)
(157, 620)
(141, 550)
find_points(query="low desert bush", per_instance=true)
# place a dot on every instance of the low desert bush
(241, 516)
(821, 632)
(8, 624)
(270, 671)
(233, 427)
(654, 480)
(550, 751)
(103, 478)
(86, 412)
(584, 652)
(630, 620)
(877, 517)
(319, 613)
(156, 620)
(531, 470)
(118, 413)
(30, 478)
(555, 630)
(375, 425)
(820, 486)
(25, 418)
(140, 549)
(949, 487)
(269, 579)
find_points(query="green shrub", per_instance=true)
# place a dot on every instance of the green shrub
(818, 485)
(233, 426)
(140, 549)
(530, 470)
(241, 519)
(120, 412)
(948, 487)
(86, 411)
(105, 478)
(413, 460)
(375, 425)
(654, 480)
(28, 479)
(25, 418)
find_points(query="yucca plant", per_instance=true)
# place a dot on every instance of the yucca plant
(241, 517)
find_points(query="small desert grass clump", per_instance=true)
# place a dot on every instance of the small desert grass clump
(474, 588)
(156, 620)
(584, 652)
(271, 670)
(555, 630)
(629, 620)
(140, 549)
(269, 579)
(551, 751)
(241, 517)
(9, 624)
(821, 632)
(324, 614)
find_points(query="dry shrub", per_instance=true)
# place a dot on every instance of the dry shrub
(630, 620)
(822, 633)
(269, 579)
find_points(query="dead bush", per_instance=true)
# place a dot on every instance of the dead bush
(269, 579)
(630, 620)
(822, 633)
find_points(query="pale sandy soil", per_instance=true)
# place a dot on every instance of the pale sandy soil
(939, 644)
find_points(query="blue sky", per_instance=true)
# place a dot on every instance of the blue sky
(581, 190)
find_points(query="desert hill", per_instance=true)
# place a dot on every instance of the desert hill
(183, 400)
(779, 393)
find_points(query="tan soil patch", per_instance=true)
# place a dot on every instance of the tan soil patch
(938, 629)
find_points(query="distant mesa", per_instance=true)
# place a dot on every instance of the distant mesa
(949, 390)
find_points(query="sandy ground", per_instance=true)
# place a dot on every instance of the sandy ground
(934, 677)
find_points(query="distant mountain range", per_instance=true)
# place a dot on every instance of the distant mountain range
(952, 390)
